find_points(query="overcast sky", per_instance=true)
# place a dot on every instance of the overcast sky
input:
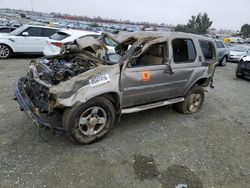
(225, 14)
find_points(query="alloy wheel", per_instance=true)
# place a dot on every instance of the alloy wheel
(92, 121)
(194, 102)
(4, 51)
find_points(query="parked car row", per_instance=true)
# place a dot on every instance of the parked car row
(233, 53)
(34, 39)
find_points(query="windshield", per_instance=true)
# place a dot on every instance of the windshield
(17, 31)
(239, 48)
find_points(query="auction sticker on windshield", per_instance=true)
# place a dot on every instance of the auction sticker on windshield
(99, 80)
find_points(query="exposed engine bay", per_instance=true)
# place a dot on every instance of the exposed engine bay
(77, 58)
(52, 71)
(55, 70)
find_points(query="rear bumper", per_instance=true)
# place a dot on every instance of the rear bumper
(27, 106)
(48, 52)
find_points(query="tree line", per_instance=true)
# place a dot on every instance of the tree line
(201, 23)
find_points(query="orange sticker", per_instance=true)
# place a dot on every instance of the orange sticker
(145, 76)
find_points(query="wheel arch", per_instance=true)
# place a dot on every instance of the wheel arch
(114, 98)
(203, 82)
(12, 51)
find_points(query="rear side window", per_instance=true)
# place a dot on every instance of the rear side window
(59, 36)
(183, 51)
(208, 49)
(34, 31)
(48, 32)
(5, 30)
(219, 44)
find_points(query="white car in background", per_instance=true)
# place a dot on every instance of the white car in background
(27, 39)
(66, 36)
(238, 52)
(61, 37)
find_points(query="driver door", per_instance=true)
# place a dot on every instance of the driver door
(147, 78)
(29, 40)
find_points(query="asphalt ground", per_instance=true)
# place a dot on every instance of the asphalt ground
(154, 148)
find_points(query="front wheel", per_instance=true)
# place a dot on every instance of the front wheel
(5, 51)
(239, 73)
(193, 101)
(90, 121)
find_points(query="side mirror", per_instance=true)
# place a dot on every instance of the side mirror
(25, 34)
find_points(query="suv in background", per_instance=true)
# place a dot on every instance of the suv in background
(154, 69)
(223, 52)
(62, 37)
(26, 39)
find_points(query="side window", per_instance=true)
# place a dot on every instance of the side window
(183, 51)
(3, 30)
(33, 31)
(154, 55)
(219, 44)
(48, 32)
(208, 49)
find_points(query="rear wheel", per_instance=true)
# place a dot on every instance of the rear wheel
(5, 51)
(193, 101)
(223, 61)
(90, 121)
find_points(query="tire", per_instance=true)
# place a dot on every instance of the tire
(5, 51)
(64, 117)
(90, 121)
(223, 62)
(239, 74)
(193, 101)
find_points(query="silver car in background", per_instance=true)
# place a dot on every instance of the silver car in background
(223, 52)
(238, 52)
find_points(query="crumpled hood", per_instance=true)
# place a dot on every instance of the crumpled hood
(67, 88)
(90, 45)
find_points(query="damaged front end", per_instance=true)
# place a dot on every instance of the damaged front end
(33, 90)
(243, 68)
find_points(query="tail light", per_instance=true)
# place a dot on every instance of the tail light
(58, 44)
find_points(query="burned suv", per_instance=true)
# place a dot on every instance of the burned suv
(91, 89)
